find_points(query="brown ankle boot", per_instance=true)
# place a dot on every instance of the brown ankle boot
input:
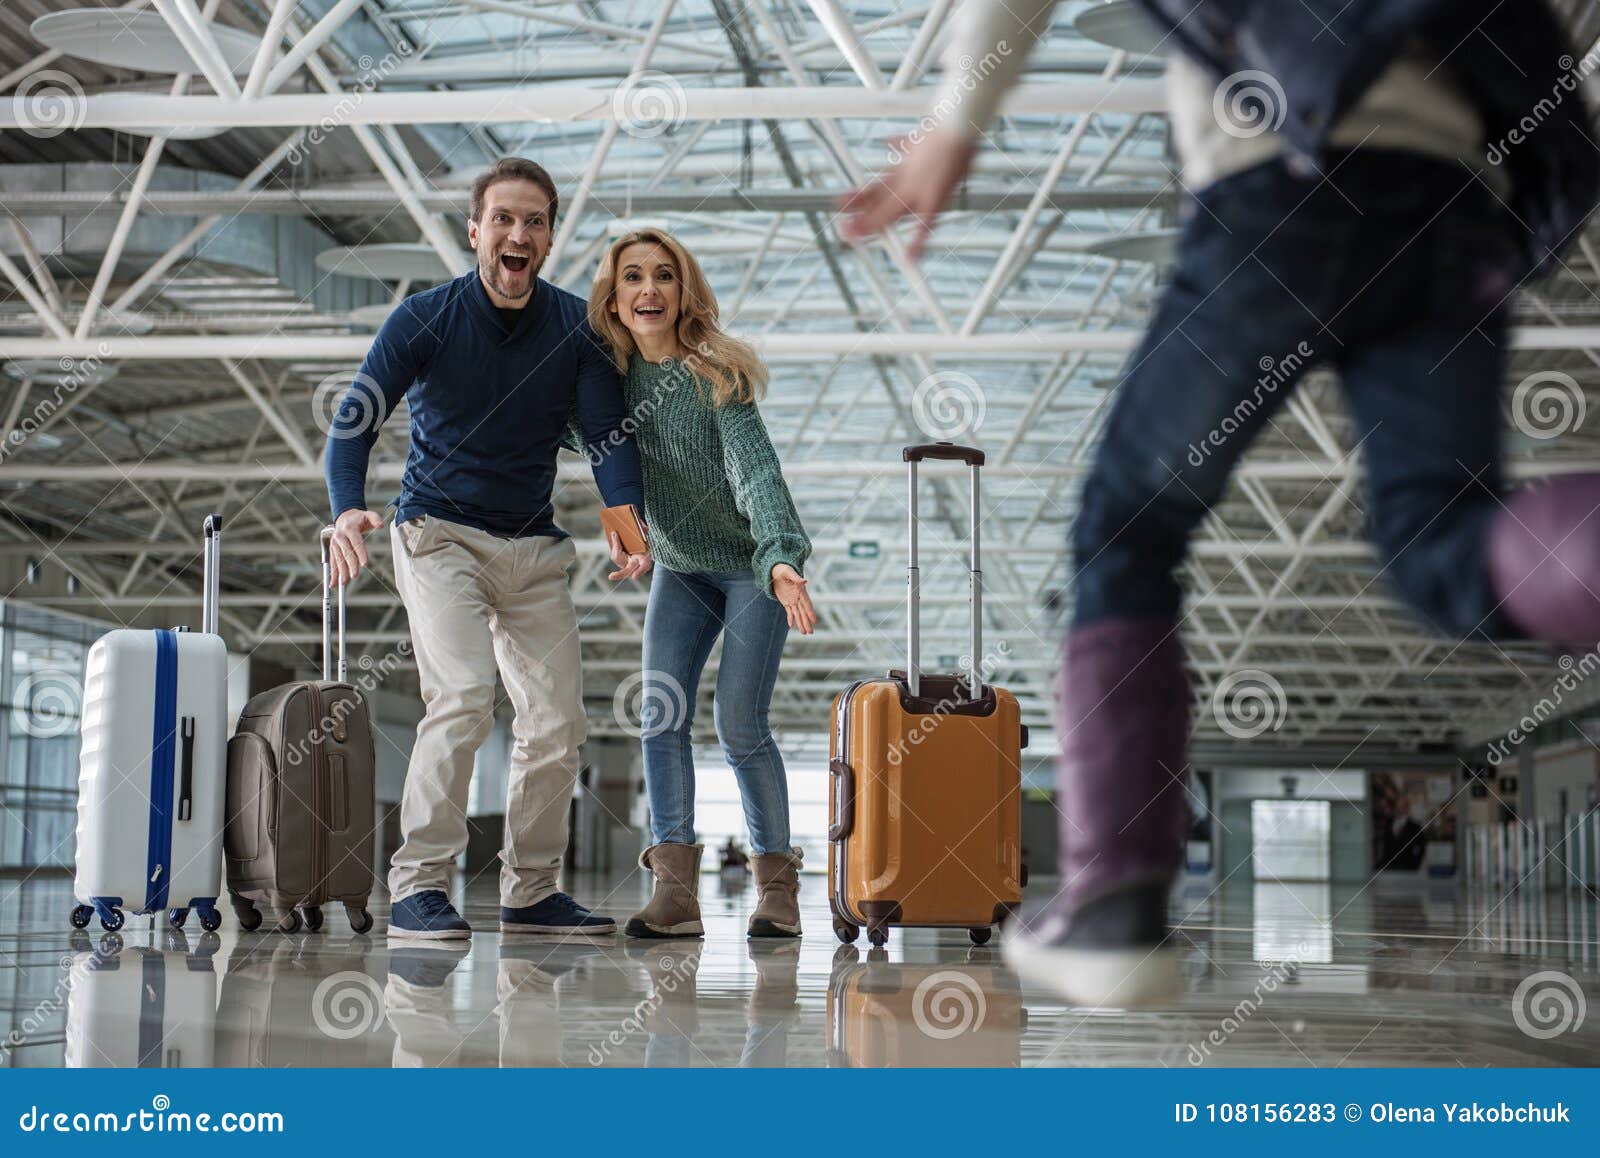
(674, 908)
(778, 905)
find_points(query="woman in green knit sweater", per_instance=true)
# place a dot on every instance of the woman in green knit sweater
(728, 548)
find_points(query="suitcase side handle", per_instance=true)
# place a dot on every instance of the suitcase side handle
(327, 597)
(844, 796)
(186, 774)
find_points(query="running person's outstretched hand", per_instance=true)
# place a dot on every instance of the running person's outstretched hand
(918, 185)
(790, 590)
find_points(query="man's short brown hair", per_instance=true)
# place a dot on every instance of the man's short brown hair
(513, 169)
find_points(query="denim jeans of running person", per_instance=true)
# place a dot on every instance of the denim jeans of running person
(686, 614)
(1392, 269)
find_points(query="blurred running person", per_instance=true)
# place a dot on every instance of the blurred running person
(1343, 211)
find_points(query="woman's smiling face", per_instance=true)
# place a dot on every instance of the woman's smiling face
(649, 292)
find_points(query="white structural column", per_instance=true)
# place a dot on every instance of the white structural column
(911, 67)
(568, 226)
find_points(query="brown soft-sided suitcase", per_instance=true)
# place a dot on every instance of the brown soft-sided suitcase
(301, 808)
(925, 812)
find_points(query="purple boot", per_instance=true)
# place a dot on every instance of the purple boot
(1123, 720)
(1544, 559)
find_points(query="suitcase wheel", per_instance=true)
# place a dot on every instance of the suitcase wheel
(313, 918)
(290, 922)
(210, 920)
(878, 935)
(81, 915)
(980, 934)
(248, 916)
(360, 920)
(112, 923)
(845, 933)
(177, 917)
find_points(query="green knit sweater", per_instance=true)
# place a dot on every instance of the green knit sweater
(714, 494)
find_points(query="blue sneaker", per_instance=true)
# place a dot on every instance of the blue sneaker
(556, 914)
(427, 916)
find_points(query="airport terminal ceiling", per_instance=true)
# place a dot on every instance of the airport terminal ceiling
(198, 300)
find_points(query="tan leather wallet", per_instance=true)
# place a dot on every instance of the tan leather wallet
(627, 525)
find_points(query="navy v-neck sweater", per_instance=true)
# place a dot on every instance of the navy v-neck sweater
(488, 409)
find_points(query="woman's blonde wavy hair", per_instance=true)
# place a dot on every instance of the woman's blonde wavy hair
(731, 368)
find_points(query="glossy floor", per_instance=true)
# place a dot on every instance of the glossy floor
(1405, 972)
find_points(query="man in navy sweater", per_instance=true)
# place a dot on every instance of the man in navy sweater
(491, 365)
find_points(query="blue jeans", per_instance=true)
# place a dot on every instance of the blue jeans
(686, 614)
(1393, 272)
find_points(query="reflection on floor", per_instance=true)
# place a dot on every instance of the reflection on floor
(1406, 972)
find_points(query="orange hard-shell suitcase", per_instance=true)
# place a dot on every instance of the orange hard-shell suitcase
(925, 812)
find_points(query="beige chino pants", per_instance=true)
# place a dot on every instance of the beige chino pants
(477, 602)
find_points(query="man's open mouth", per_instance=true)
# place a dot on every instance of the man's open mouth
(514, 262)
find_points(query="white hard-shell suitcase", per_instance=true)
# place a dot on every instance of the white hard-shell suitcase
(152, 769)
(143, 1008)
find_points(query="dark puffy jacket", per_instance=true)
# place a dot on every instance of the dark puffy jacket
(1512, 58)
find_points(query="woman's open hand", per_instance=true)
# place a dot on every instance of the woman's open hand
(790, 590)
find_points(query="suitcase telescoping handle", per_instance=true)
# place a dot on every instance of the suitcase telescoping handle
(327, 599)
(211, 584)
(974, 458)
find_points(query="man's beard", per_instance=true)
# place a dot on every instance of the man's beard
(492, 272)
